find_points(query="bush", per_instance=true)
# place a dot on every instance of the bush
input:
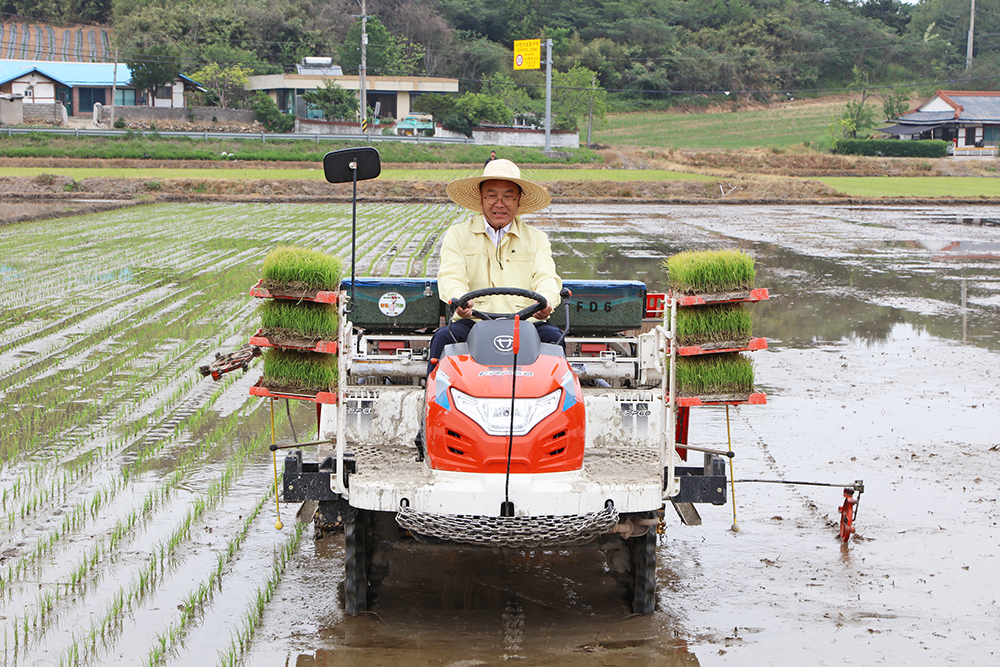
(120, 123)
(269, 115)
(892, 148)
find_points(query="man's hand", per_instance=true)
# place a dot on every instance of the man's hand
(465, 313)
(544, 313)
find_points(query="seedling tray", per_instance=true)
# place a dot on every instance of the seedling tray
(318, 296)
(722, 399)
(754, 295)
(295, 394)
(712, 348)
(265, 338)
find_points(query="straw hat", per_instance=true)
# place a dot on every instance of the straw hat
(465, 191)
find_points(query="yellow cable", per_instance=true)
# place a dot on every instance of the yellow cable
(274, 459)
(732, 475)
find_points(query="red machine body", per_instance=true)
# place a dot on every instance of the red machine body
(468, 418)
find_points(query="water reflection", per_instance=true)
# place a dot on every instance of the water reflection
(965, 220)
(850, 273)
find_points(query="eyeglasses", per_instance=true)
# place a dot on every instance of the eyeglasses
(508, 199)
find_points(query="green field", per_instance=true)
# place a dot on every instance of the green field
(777, 126)
(914, 186)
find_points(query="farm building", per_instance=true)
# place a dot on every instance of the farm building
(966, 118)
(78, 86)
(393, 94)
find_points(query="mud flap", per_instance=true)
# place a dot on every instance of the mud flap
(687, 512)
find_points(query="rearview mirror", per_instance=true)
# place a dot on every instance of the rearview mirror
(339, 166)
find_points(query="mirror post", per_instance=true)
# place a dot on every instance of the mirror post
(354, 232)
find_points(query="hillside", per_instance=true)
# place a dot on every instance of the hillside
(37, 41)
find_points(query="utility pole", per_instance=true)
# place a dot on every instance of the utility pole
(548, 94)
(364, 65)
(590, 113)
(114, 90)
(972, 23)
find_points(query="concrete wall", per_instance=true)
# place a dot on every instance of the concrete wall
(313, 126)
(492, 136)
(517, 136)
(11, 111)
(179, 114)
(50, 113)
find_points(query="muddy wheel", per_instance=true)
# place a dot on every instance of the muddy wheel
(382, 532)
(644, 567)
(355, 570)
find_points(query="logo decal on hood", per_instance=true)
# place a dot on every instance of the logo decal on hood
(504, 343)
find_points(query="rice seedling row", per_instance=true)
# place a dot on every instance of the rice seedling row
(161, 545)
(116, 429)
(243, 633)
(166, 553)
(88, 506)
(400, 235)
(203, 593)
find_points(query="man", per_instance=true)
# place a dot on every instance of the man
(493, 156)
(495, 248)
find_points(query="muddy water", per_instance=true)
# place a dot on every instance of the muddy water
(882, 366)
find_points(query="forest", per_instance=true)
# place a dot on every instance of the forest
(641, 53)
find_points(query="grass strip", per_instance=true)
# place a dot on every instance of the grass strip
(703, 375)
(300, 370)
(298, 267)
(706, 271)
(305, 318)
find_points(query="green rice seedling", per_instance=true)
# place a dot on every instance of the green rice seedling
(712, 374)
(300, 370)
(706, 271)
(302, 268)
(710, 324)
(305, 318)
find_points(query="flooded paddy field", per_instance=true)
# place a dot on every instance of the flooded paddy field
(137, 501)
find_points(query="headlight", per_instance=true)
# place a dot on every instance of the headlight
(493, 414)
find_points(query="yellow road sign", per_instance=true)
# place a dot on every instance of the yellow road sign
(527, 54)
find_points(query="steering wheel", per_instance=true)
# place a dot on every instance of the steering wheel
(540, 302)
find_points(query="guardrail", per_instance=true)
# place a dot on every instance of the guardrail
(974, 151)
(255, 136)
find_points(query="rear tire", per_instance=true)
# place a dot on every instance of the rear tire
(355, 561)
(644, 566)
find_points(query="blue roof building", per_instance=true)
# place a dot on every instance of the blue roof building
(78, 86)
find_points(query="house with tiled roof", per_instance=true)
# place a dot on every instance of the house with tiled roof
(78, 86)
(964, 118)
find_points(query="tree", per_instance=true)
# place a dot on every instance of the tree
(461, 114)
(514, 98)
(146, 39)
(153, 68)
(335, 102)
(225, 84)
(575, 95)
(858, 116)
(385, 55)
(895, 104)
